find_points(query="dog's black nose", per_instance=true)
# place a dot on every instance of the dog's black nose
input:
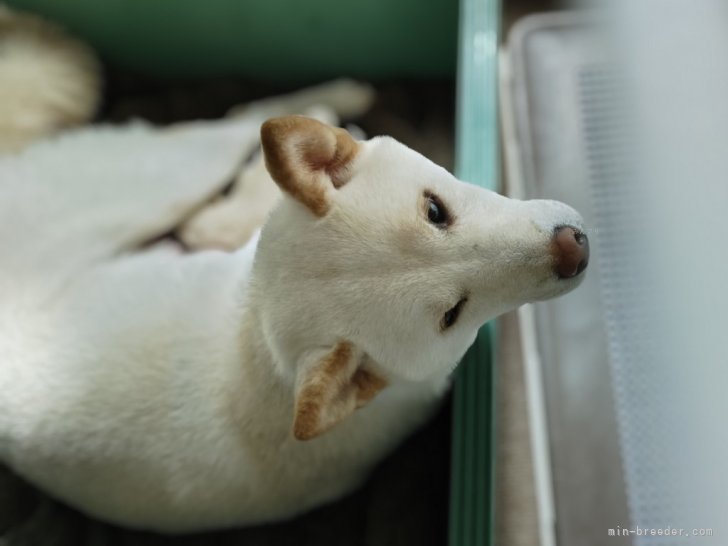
(570, 250)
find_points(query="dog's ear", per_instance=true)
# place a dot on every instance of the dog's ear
(308, 159)
(330, 388)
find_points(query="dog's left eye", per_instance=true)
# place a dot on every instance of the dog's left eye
(452, 314)
(436, 211)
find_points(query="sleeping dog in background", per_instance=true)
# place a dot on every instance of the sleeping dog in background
(49, 80)
(182, 392)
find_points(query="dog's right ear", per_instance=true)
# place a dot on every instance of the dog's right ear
(308, 159)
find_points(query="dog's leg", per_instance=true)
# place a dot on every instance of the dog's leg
(90, 194)
(94, 193)
(229, 222)
(347, 99)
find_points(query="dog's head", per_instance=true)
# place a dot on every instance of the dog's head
(379, 266)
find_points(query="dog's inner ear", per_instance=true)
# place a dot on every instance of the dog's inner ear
(332, 388)
(308, 159)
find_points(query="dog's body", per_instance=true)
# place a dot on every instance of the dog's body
(185, 392)
(184, 424)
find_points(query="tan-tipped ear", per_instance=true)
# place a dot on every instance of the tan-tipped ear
(307, 159)
(330, 389)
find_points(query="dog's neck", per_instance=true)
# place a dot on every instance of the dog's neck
(267, 411)
(273, 394)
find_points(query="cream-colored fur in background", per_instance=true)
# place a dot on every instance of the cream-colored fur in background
(48, 80)
(181, 392)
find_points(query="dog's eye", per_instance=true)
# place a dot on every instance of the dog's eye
(451, 316)
(436, 211)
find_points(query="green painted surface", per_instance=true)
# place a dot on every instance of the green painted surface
(477, 154)
(267, 39)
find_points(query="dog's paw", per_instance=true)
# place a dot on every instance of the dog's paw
(224, 225)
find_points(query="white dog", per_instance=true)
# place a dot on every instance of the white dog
(188, 392)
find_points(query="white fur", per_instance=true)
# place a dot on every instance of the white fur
(156, 390)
